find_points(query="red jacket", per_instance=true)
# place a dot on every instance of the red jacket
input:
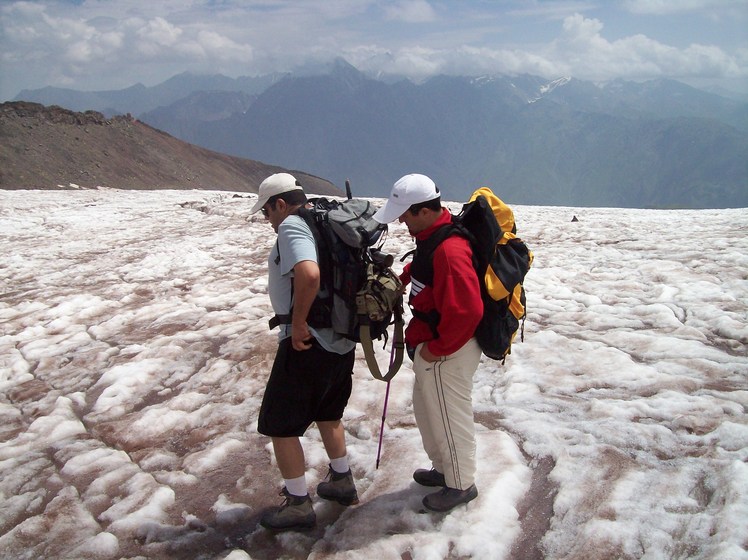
(455, 294)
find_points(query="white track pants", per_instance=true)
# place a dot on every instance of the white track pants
(443, 407)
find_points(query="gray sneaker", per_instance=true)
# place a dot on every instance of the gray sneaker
(448, 498)
(338, 487)
(429, 478)
(294, 514)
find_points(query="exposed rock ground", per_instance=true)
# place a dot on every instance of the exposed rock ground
(51, 147)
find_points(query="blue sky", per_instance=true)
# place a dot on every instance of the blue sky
(107, 44)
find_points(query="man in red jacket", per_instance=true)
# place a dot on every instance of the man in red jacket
(447, 307)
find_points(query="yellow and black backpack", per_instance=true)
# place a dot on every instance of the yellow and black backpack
(501, 260)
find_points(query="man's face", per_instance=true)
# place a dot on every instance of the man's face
(416, 223)
(274, 213)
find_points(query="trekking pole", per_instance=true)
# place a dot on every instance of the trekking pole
(384, 409)
(381, 428)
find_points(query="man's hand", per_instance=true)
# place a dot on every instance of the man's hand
(301, 338)
(306, 286)
(427, 355)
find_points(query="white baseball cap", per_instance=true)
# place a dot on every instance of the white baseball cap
(278, 183)
(408, 190)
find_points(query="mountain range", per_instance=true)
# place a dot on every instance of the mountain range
(562, 142)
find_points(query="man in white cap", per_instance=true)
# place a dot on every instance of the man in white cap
(310, 381)
(447, 307)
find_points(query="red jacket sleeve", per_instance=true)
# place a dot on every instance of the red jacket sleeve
(456, 296)
(405, 275)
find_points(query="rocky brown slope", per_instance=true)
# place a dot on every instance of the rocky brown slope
(51, 147)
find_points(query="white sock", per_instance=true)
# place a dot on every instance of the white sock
(296, 486)
(340, 465)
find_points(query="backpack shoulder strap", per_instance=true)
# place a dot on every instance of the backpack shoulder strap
(435, 239)
(422, 266)
(319, 313)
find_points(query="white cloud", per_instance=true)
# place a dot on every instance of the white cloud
(664, 7)
(18, 22)
(505, 61)
(421, 63)
(37, 35)
(159, 32)
(418, 62)
(583, 52)
(547, 10)
(112, 44)
(94, 46)
(223, 48)
(580, 29)
(411, 11)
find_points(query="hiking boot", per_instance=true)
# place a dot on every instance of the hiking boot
(429, 478)
(295, 513)
(338, 487)
(448, 498)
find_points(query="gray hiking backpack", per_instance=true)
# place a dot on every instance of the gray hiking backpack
(364, 294)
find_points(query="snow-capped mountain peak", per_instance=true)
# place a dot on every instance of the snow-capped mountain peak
(549, 87)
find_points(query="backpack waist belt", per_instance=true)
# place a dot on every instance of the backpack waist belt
(318, 317)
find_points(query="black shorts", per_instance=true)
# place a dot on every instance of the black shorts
(304, 386)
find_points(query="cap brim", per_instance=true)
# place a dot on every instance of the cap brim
(390, 212)
(259, 204)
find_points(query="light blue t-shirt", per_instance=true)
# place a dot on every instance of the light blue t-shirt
(295, 244)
